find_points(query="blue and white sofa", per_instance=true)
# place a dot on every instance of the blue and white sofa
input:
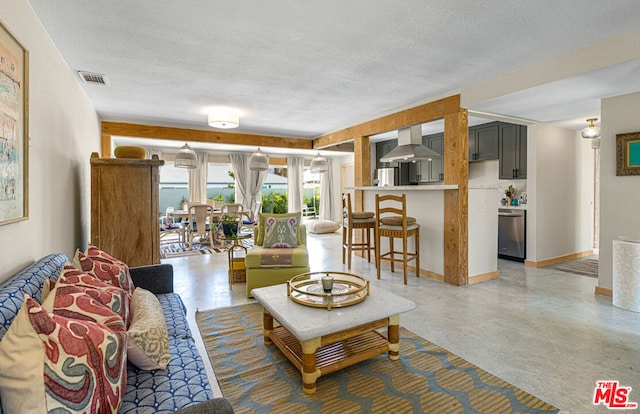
(183, 386)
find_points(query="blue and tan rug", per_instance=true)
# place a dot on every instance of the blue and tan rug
(585, 267)
(426, 379)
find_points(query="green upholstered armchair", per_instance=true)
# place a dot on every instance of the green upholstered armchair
(259, 275)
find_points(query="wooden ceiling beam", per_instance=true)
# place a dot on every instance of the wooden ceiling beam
(413, 116)
(196, 135)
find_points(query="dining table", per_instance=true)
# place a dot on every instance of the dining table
(184, 214)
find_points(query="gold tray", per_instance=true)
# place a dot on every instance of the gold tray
(348, 289)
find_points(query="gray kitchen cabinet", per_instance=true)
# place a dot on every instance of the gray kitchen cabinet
(382, 148)
(513, 151)
(436, 166)
(483, 142)
(425, 170)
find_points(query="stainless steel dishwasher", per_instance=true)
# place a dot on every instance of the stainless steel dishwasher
(512, 238)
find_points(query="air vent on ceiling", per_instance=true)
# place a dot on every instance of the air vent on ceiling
(94, 78)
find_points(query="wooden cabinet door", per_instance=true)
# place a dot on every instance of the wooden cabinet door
(124, 209)
(522, 152)
(436, 166)
(487, 143)
(513, 151)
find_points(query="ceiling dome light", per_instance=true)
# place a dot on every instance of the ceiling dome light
(591, 131)
(186, 158)
(259, 161)
(319, 164)
(224, 118)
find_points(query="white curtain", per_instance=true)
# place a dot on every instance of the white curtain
(295, 183)
(327, 194)
(198, 179)
(248, 182)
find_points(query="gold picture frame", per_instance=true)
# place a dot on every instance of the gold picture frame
(628, 154)
(14, 129)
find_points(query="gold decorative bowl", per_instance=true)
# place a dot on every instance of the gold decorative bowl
(129, 151)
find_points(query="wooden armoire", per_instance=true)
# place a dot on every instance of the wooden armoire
(124, 208)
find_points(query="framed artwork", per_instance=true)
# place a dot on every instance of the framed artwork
(14, 134)
(628, 154)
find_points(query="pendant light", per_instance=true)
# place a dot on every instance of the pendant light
(186, 158)
(591, 131)
(259, 161)
(319, 164)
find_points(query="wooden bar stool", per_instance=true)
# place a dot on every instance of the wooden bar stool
(392, 222)
(352, 220)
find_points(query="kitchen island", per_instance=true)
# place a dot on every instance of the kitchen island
(426, 204)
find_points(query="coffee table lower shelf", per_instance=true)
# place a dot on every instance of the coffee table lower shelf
(330, 357)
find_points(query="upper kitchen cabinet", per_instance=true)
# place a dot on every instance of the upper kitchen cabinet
(383, 148)
(483, 142)
(513, 151)
(429, 170)
(436, 166)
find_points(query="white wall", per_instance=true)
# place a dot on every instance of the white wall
(64, 130)
(560, 187)
(619, 196)
(487, 173)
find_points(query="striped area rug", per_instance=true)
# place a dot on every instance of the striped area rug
(168, 251)
(426, 379)
(584, 267)
(171, 250)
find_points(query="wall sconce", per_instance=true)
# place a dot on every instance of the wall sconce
(186, 158)
(224, 118)
(259, 161)
(591, 131)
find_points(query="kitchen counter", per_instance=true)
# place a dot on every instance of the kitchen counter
(429, 187)
(518, 207)
(426, 204)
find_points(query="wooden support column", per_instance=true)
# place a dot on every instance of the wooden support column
(106, 146)
(361, 170)
(456, 202)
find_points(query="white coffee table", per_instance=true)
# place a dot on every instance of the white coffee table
(319, 342)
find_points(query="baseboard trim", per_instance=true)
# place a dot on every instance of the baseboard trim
(559, 259)
(604, 291)
(484, 277)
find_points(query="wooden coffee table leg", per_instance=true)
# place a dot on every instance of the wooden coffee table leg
(309, 371)
(393, 333)
(267, 326)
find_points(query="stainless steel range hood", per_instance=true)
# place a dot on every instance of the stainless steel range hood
(410, 147)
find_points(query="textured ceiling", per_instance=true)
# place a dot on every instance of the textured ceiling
(307, 68)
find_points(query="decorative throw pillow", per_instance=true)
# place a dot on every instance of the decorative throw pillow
(396, 220)
(86, 304)
(72, 280)
(148, 340)
(113, 274)
(262, 217)
(98, 255)
(49, 363)
(322, 226)
(281, 231)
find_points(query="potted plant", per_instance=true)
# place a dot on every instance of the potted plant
(230, 224)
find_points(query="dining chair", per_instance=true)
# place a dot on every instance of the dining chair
(199, 224)
(168, 226)
(392, 222)
(233, 208)
(352, 220)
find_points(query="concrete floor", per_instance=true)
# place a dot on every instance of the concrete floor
(541, 330)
